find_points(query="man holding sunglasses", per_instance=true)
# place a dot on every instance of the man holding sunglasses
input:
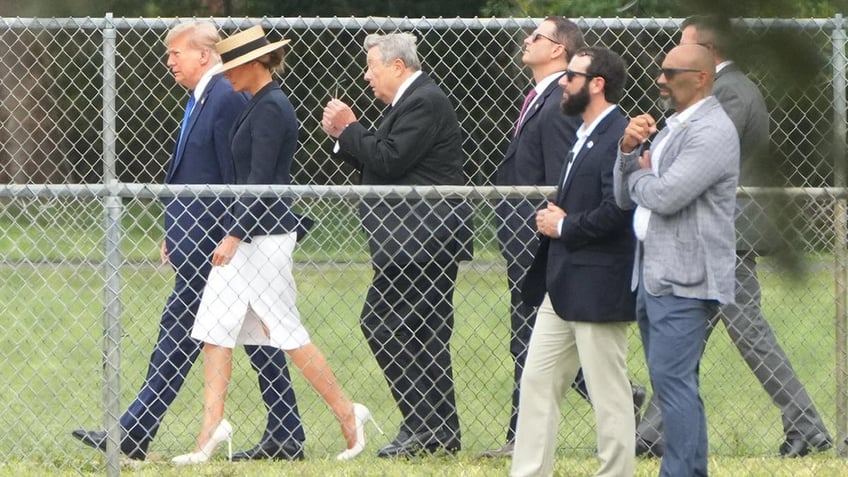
(684, 193)
(744, 320)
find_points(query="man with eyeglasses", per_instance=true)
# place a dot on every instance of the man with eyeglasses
(744, 320)
(580, 277)
(684, 193)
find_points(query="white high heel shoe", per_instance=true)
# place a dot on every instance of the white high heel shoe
(224, 432)
(361, 415)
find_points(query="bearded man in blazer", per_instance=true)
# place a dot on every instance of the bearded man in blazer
(193, 228)
(415, 244)
(580, 277)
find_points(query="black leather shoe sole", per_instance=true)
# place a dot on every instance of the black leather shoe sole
(97, 440)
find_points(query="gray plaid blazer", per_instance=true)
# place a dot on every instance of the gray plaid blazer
(689, 250)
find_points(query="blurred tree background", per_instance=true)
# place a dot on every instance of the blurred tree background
(417, 9)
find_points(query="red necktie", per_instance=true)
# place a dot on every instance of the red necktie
(527, 101)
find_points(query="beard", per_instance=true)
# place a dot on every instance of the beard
(576, 103)
(667, 102)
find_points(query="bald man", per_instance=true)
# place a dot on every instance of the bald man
(684, 191)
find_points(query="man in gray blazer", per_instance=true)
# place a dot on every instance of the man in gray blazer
(684, 192)
(744, 320)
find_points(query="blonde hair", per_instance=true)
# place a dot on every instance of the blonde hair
(202, 35)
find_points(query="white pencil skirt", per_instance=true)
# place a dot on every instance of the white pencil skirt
(251, 300)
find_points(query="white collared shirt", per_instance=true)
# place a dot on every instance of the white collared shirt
(643, 215)
(204, 80)
(582, 133)
(404, 86)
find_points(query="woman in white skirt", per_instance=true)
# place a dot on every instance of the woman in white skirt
(250, 295)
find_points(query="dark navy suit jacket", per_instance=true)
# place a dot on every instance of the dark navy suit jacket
(264, 138)
(193, 224)
(534, 157)
(586, 271)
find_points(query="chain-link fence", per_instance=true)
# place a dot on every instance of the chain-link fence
(89, 113)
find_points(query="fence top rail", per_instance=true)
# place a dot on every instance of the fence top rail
(393, 23)
(152, 191)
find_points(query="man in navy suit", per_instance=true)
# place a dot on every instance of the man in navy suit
(193, 227)
(581, 278)
(416, 244)
(535, 156)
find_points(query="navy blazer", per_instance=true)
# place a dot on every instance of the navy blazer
(586, 271)
(534, 157)
(264, 138)
(205, 159)
(418, 142)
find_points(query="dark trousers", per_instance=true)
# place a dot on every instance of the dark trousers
(407, 321)
(175, 352)
(673, 330)
(751, 333)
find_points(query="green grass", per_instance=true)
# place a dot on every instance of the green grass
(51, 301)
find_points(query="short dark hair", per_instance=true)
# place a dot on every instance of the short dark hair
(717, 27)
(608, 65)
(568, 33)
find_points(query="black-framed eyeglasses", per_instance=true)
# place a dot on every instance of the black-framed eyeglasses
(670, 73)
(570, 74)
(536, 35)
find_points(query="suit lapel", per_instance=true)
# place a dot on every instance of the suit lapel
(192, 120)
(540, 101)
(585, 150)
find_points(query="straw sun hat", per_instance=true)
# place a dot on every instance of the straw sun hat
(245, 46)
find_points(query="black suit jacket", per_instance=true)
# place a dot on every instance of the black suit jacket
(534, 157)
(418, 142)
(587, 270)
(263, 140)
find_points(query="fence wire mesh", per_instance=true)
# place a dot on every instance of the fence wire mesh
(55, 257)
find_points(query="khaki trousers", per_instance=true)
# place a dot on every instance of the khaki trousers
(558, 348)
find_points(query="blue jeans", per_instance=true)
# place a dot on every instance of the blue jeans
(673, 330)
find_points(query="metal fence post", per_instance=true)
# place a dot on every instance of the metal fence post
(112, 262)
(840, 231)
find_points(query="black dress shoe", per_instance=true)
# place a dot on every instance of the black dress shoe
(270, 449)
(426, 442)
(639, 394)
(648, 449)
(818, 442)
(132, 448)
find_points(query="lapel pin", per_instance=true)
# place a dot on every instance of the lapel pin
(590, 144)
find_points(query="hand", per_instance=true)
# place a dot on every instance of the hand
(337, 116)
(547, 220)
(637, 132)
(163, 253)
(645, 159)
(225, 251)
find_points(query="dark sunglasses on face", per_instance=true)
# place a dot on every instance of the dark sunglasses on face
(670, 73)
(570, 74)
(536, 35)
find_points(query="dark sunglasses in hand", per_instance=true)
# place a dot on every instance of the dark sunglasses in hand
(672, 72)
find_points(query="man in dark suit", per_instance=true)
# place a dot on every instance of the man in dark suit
(193, 227)
(744, 320)
(535, 156)
(580, 277)
(415, 244)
